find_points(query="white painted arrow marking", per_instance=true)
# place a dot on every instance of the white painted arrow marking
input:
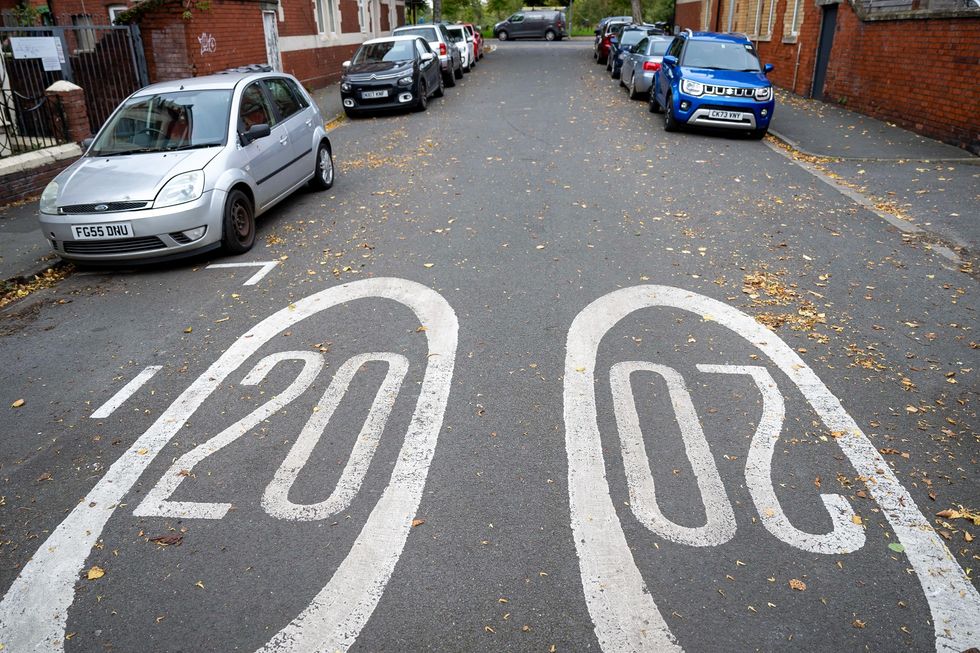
(125, 392)
(255, 278)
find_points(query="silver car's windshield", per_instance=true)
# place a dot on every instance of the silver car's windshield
(167, 121)
(385, 51)
(428, 33)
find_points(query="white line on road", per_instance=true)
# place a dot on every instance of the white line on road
(125, 392)
(255, 278)
(622, 607)
(34, 611)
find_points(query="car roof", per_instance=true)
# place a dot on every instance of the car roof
(729, 37)
(226, 81)
(426, 26)
(393, 37)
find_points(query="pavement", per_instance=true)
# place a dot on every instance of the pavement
(932, 184)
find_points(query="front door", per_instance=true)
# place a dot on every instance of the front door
(828, 26)
(268, 157)
(271, 29)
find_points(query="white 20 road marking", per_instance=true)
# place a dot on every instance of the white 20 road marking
(34, 610)
(625, 615)
(265, 268)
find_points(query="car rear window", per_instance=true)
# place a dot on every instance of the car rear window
(633, 36)
(659, 48)
(458, 32)
(428, 33)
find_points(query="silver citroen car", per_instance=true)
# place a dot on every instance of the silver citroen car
(185, 167)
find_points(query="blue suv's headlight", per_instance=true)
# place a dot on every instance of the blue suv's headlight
(763, 93)
(692, 88)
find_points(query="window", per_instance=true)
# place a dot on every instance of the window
(362, 16)
(282, 97)
(326, 21)
(253, 109)
(114, 11)
(772, 9)
(642, 46)
(85, 37)
(675, 48)
(297, 92)
(759, 13)
(793, 19)
(422, 47)
(516, 18)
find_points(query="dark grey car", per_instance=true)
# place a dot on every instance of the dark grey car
(641, 64)
(549, 25)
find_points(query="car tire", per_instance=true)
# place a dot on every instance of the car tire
(449, 80)
(634, 95)
(422, 103)
(654, 104)
(459, 71)
(609, 63)
(670, 122)
(441, 89)
(238, 223)
(614, 73)
(549, 35)
(323, 172)
(467, 68)
(758, 134)
(503, 35)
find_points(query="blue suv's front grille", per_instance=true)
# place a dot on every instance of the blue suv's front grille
(728, 91)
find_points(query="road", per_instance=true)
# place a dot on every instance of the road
(506, 388)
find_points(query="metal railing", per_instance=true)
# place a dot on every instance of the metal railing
(29, 123)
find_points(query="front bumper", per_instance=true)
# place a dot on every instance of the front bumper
(697, 111)
(157, 233)
(397, 96)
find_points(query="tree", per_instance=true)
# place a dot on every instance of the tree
(436, 11)
(637, 11)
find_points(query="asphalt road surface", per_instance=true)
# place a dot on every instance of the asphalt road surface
(509, 386)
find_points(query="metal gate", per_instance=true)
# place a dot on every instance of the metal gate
(107, 61)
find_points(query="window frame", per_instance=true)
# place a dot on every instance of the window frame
(324, 12)
(266, 83)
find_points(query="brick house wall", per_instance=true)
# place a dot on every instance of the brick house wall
(687, 15)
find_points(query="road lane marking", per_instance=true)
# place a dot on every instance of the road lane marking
(720, 517)
(157, 501)
(625, 615)
(125, 392)
(34, 610)
(845, 536)
(276, 501)
(266, 268)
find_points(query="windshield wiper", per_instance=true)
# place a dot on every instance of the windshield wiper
(195, 146)
(122, 152)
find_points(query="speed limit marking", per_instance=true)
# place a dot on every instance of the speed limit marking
(34, 611)
(622, 607)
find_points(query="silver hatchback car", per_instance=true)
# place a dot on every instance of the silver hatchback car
(185, 167)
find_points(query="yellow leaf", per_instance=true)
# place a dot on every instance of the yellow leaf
(417, 522)
(856, 519)
(200, 584)
(143, 452)
(95, 573)
(18, 403)
(427, 265)
(797, 584)
(188, 329)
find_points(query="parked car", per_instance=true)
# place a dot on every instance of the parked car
(185, 167)
(549, 25)
(641, 63)
(714, 80)
(623, 41)
(474, 31)
(464, 43)
(391, 72)
(609, 32)
(600, 29)
(441, 43)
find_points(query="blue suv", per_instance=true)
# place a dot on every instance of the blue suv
(713, 80)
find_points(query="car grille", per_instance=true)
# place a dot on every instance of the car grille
(120, 246)
(109, 207)
(728, 91)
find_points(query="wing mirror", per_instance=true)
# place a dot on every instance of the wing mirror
(768, 68)
(255, 132)
(427, 56)
(669, 60)
(87, 143)
(345, 65)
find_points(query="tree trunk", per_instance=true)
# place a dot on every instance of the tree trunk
(636, 10)
(437, 11)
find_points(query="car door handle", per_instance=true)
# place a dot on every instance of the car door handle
(283, 139)
(309, 123)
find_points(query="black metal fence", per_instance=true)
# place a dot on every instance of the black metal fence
(29, 123)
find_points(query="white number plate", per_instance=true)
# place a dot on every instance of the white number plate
(102, 231)
(725, 115)
(373, 94)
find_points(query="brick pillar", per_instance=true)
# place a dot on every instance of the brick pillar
(73, 115)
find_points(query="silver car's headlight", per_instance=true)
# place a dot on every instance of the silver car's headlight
(405, 81)
(182, 188)
(49, 198)
(692, 88)
(763, 93)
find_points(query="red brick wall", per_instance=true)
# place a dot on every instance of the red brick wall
(920, 74)
(385, 23)
(299, 18)
(165, 46)
(28, 183)
(688, 15)
(348, 14)
(400, 12)
(238, 36)
(319, 67)
(784, 55)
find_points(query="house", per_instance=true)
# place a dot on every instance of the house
(911, 62)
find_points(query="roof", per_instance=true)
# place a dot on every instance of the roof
(393, 37)
(220, 81)
(729, 37)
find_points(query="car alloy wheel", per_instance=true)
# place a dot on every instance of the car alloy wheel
(549, 36)
(324, 173)
(239, 223)
(441, 89)
(423, 101)
(503, 35)
(670, 123)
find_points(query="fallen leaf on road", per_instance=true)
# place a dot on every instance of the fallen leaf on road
(857, 623)
(896, 547)
(427, 265)
(797, 584)
(417, 522)
(95, 573)
(18, 403)
(962, 513)
(200, 584)
(188, 329)
(856, 519)
(168, 540)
